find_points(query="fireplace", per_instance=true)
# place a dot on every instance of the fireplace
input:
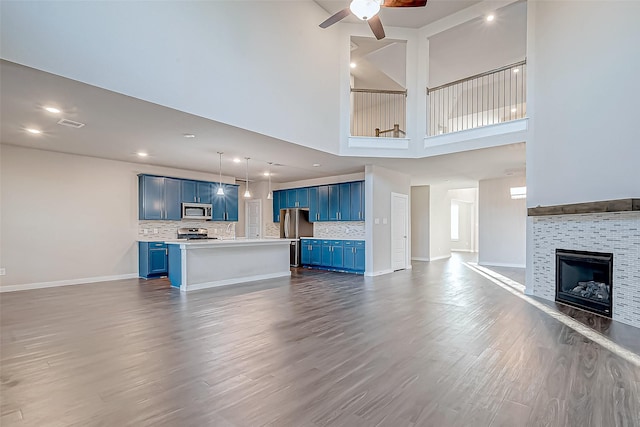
(585, 280)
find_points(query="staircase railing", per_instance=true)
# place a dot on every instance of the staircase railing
(373, 110)
(487, 98)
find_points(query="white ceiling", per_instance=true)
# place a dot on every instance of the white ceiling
(118, 126)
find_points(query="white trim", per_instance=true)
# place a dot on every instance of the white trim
(378, 273)
(236, 280)
(502, 264)
(462, 250)
(378, 143)
(419, 259)
(68, 282)
(436, 258)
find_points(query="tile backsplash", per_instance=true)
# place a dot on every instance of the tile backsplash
(168, 230)
(339, 230)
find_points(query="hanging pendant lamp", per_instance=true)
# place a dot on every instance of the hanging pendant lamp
(220, 191)
(270, 193)
(247, 193)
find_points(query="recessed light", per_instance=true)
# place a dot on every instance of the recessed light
(266, 174)
(513, 110)
(53, 110)
(34, 131)
(316, 165)
(353, 65)
(515, 70)
(142, 154)
(188, 135)
(490, 18)
(236, 160)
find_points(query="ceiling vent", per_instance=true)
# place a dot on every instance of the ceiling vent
(70, 123)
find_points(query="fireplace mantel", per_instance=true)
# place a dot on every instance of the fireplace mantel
(621, 205)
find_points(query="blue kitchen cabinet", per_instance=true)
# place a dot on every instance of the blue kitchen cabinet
(344, 212)
(306, 252)
(284, 199)
(357, 201)
(354, 255)
(276, 206)
(313, 204)
(225, 207)
(332, 254)
(159, 198)
(334, 202)
(152, 259)
(316, 252)
(197, 191)
(323, 203)
(292, 198)
(297, 198)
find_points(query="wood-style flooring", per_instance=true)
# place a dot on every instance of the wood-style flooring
(438, 345)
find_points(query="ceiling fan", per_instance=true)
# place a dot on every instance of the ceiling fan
(367, 10)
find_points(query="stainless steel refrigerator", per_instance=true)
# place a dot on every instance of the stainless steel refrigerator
(294, 224)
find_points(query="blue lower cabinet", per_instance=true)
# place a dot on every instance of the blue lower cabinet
(311, 252)
(359, 259)
(175, 266)
(336, 255)
(152, 259)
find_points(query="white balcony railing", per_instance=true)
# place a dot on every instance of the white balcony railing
(484, 99)
(378, 113)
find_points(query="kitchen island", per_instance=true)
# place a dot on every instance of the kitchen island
(205, 264)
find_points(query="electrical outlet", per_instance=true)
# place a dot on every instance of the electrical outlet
(145, 231)
(3, 271)
(155, 231)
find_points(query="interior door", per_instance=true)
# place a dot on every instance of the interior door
(254, 213)
(399, 230)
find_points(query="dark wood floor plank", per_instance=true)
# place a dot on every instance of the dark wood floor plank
(437, 345)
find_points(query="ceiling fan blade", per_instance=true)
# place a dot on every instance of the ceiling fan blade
(404, 3)
(376, 26)
(338, 16)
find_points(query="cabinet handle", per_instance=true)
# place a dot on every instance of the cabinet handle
(166, 251)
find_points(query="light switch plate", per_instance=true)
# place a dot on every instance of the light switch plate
(3, 271)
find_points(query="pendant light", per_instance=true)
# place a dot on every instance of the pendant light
(247, 193)
(220, 191)
(270, 193)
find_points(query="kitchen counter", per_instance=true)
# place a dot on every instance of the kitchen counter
(195, 264)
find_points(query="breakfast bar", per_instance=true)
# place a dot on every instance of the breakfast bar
(205, 264)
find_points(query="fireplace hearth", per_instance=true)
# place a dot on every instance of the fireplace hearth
(585, 280)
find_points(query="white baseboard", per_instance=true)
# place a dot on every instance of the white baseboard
(84, 281)
(419, 259)
(235, 281)
(435, 258)
(462, 250)
(378, 273)
(500, 264)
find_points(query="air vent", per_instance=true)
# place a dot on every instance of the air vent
(70, 123)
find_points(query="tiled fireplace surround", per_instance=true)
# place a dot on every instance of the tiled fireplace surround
(613, 232)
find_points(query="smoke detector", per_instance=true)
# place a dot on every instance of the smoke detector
(70, 123)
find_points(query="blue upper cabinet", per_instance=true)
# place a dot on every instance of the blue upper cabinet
(159, 198)
(302, 196)
(197, 191)
(323, 203)
(334, 202)
(357, 201)
(314, 214)
(276, 206)
(225, 208)
(344, 213)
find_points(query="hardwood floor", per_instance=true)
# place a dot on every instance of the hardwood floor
(438, 345)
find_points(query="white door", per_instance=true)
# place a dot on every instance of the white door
(399, 230)
(253, 209)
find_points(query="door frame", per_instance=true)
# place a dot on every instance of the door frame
(405, 197)
(246, 217)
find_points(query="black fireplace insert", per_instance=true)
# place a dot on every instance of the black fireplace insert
(585, 280)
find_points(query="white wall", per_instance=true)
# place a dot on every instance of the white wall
(502, 223)
(229, 61)
(379, 184)
(478, 46)
(584, 59)
(420, 209)
(66, 217)
(440, 223)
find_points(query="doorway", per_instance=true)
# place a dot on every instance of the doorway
(253, 219)
(399, 231)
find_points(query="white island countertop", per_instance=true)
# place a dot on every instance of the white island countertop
(200, 264)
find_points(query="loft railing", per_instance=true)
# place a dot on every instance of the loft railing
(488, 98)
(378, 113)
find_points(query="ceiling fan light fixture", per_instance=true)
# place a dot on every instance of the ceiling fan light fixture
(365, 9)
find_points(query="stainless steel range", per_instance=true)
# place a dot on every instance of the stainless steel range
(194, 234)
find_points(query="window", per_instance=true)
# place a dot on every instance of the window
(518, 192)
(455, 221)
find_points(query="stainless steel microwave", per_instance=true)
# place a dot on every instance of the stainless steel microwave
(196, 210)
